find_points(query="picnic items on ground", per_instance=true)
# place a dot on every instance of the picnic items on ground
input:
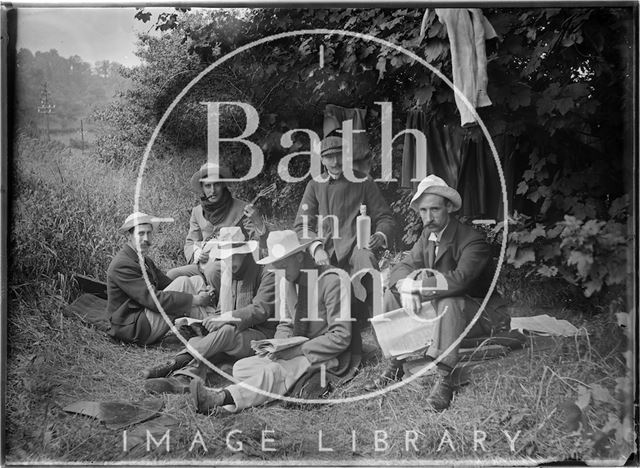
(363, 228)
(271, 346)
(401, 333)
(543, 325)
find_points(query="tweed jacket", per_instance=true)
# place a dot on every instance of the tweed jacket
(464, 259)
(258, 284)
(128, 296)
(342, 198)
(328, 336)
(200, 229)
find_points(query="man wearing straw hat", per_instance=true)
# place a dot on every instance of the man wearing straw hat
(134, 315)
(328, 336)
(217, 209)
(245, 318)
(462, 257)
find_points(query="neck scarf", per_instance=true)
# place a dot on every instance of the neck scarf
(216, 212)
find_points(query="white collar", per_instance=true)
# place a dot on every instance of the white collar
(435, 236)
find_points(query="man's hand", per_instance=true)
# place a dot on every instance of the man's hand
(201, 257)
(412, 303)
(376, 241)
(321, 256)
(213, 322)
(286, 354)
(202, 299)
(251, 213)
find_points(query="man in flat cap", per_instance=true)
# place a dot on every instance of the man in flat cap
(336, 201)
(462, 257)
(134, 315)
(252, 303)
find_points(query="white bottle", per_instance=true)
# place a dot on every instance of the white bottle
(363, 228)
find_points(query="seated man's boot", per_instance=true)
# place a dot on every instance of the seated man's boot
(441, 393)
(177, 384)
(205, 399)
(393, 373)
(168, 367)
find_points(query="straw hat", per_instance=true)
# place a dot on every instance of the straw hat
(137, 218)
(208, 172)
(282, 244)
(231, 241)
(435, 185)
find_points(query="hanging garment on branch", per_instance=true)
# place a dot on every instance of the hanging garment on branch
(468, 30)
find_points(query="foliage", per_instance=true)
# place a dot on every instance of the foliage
(559, 80)
(589, 253)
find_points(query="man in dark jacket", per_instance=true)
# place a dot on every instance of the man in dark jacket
(329, 209)
(328, 333)
(251, 304)
(134, 315)
(462, 258)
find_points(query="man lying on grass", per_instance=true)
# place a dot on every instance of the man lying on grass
(133, 314)
(244, 317)
(462, 257)
(328, 336)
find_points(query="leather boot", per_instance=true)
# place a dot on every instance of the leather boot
(393, 373)
(204, 399)
(441, 393)
(168, 367)
(178, 384)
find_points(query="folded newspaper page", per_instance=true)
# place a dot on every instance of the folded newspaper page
(400, 333)
(264, 347)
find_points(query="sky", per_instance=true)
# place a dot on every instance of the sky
(92, 33)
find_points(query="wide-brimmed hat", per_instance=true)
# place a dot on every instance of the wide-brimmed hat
(209, 172)
(435, 185)
(230, 241)
(137, 218)
(282, 244)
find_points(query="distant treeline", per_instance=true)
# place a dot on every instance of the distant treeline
(74, 87)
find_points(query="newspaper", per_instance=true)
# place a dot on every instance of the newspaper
(400, 333)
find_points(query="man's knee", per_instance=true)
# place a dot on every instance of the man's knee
(197, 282)
(181, 283)
(449, 304)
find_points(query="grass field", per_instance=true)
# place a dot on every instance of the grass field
(65, 208)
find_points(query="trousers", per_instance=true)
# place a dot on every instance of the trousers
(225, 341)
(455, 314)
(192, 285)
(256, 372)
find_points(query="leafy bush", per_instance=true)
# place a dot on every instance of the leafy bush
(588, 253)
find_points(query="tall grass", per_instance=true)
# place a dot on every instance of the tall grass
(66, 208)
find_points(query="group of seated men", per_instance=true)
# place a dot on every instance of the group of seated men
(230, 282)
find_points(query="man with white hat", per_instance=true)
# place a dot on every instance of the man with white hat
(134, 315)
(463, 258)
(217, 209)
(328, 336)
(245, 317)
